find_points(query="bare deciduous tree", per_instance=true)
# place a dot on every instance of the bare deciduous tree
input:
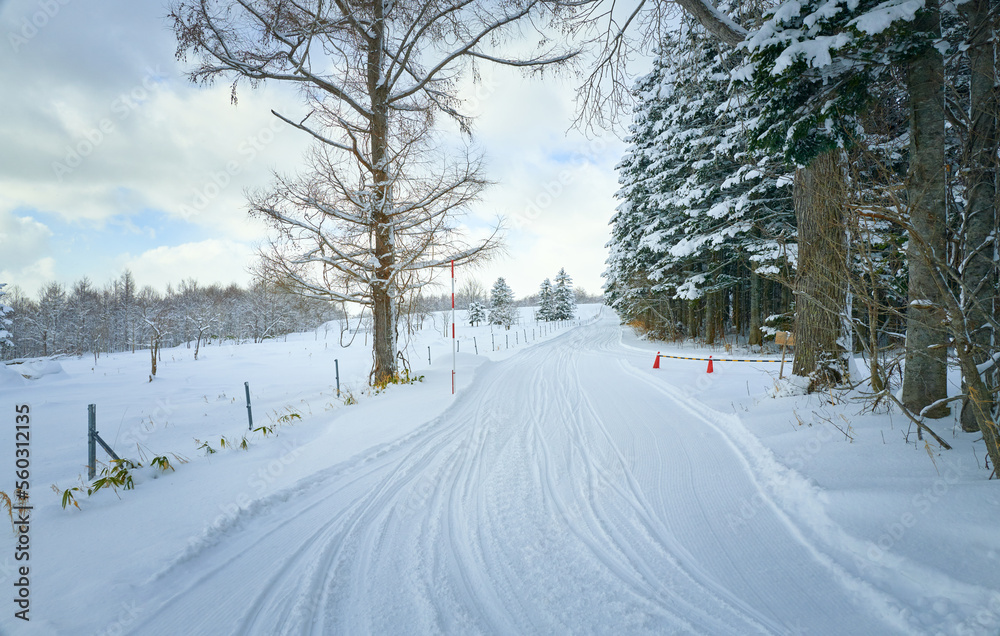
(374, 75)
(471, 291)
(325, 245)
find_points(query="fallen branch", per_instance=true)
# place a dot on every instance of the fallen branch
(920, 425)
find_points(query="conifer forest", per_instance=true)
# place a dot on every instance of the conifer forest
(829, 169)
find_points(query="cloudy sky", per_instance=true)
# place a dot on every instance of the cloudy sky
(111, 159)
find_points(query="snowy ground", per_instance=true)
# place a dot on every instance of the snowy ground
(568, 487)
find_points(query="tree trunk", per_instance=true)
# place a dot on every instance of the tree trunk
(735, 306)
(979, 401)
(722, 313)
(711, 301)
(756, 335)
(820, 287)
(153, 347)
(767, 299)
(785, 296)
(980, 396)
(383, 300)
(692, 318)
(978, 272)
(925, 373)
(874, 366)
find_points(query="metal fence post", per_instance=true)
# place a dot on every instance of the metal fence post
(91, 440)
(336, 366)
(428, 354)
(246, 386)
(475, 344)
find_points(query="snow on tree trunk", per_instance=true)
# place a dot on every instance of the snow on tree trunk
(925, 372)
(820, 201)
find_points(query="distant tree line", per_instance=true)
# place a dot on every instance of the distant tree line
(122, 316)
(472, 290)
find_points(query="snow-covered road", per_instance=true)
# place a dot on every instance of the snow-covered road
(567, 490)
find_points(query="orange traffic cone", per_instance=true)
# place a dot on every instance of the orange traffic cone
(709, 364)
(656, 364)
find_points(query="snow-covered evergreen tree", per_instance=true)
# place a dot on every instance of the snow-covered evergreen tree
(629, 261)
(816, 65)
(477, 313)
(563, 299)
(698, 209)
(502, 309)
(718, 204)
(5, 321)
(49, 328)
(545, 301)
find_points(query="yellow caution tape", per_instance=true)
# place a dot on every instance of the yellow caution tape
(662, 355)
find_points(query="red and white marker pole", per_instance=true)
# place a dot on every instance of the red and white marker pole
(453, 327)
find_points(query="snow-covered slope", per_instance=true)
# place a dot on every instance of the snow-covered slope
(567, 488)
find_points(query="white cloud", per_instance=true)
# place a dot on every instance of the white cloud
(32, 277)
(25, 253)
(187, 152)
(208, 261)
(560, 220)
(105, 125)
(99, 87)
(23, 240)
(555, 187)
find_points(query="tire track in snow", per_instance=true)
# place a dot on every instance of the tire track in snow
(543, 500)
(879, 606)
(635, 550)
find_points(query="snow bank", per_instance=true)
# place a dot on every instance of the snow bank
(9, 377)
(36, 369)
